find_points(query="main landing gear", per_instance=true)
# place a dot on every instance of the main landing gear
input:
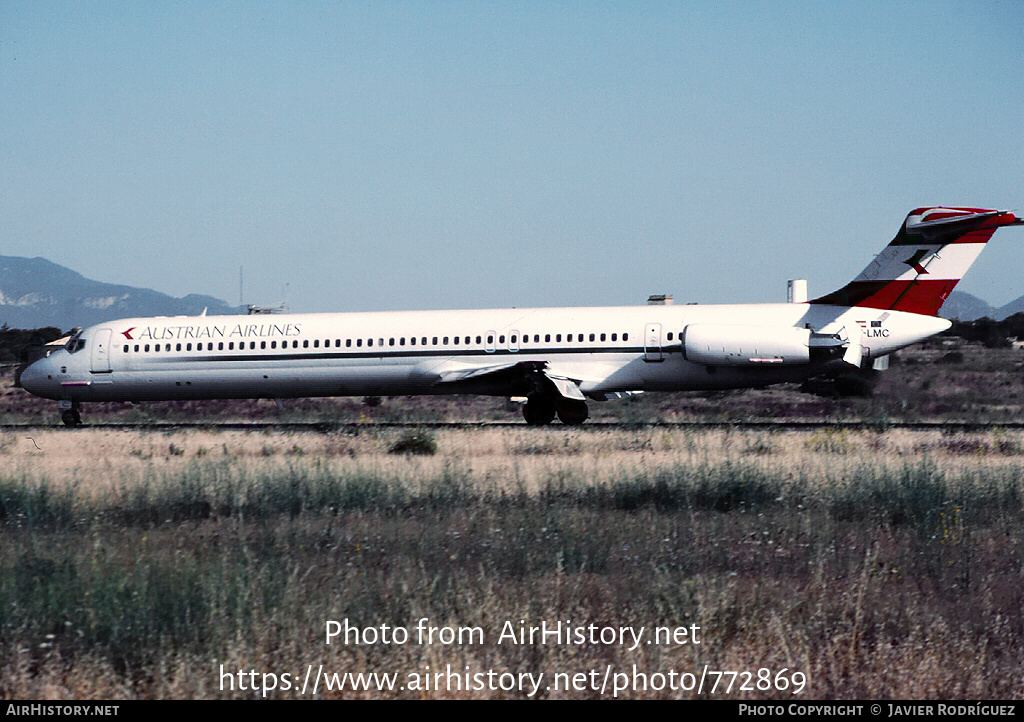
(69, 413)
(541, 410)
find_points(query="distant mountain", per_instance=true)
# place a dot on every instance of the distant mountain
(962, 306)
(1014, 306)
(35, 292)
(965, 307)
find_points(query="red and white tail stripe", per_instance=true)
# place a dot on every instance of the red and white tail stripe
(917, 271)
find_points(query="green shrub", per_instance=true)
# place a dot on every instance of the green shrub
(417, 441)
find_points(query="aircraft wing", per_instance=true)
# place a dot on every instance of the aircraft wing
(519, 378)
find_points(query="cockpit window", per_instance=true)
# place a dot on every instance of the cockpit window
(75, 343)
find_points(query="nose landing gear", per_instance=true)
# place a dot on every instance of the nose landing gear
(69, 413)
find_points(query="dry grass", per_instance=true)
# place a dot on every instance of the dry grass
(878, 564)
(513, 458)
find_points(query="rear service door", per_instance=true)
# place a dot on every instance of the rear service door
(652, 342)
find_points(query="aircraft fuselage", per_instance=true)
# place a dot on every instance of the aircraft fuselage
(602, 350)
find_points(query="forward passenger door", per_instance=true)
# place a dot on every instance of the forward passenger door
(101, 351)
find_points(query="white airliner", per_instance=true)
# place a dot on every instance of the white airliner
(556, 357)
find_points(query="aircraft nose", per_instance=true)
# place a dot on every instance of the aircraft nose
(37, 379)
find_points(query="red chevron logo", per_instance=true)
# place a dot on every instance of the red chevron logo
(915, 260)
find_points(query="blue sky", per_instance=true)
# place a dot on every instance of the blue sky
(386, 155)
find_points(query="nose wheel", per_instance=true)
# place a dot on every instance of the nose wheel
(71, 416)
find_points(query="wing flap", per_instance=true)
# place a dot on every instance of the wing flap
(566, 387)
(534, 375)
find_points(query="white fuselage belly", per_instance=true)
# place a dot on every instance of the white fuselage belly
(622, 349)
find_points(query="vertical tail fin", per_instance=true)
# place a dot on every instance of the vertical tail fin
(917, 271)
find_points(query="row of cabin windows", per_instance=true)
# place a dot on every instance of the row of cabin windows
(412, 341)
(468, 340)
